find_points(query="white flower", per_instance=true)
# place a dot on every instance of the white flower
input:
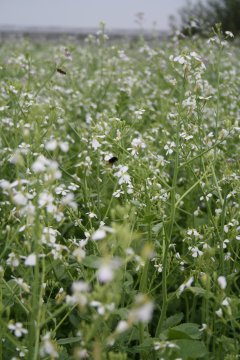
(5, 184)
(226, 229)
(99, 235)
(106, 269)
(24, 286)
(12, 88)
(47, 347)
(139, 113)
(222, 282)
(122, 326)
(195, 251)
(195, 233)
(16, 158)
(117, 193)
(79, 253)
(68, 200)
(105, 273)
(186, 285)
(17, 329)
(208, 196)
(13, 260)
(226, 301)
(144, 313)
(159, 267)
(180, 59)
(137, 144)
(39, 165)
(64, 146)
(3, 108)
(46, 200)
(20, 199)
(122, 175)
(79, 297)
(95, 144)
(219, 312)
(189, 103)
(81, 354)
(218, 211)
(31, 260)
(80, 286)
(51, 145)
(91, 215)
(170, 145)
(162, 345)
(143, 310)
(229, 34)
(42, 164)
(99, 306)
(49, 236)
(204, 327)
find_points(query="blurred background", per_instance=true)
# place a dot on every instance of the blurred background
(120, 15)
(117, 14)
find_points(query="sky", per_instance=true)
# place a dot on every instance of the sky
(117, 14)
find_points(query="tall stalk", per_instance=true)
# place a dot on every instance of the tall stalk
(167, 235)
(168, 229)
(35, 319)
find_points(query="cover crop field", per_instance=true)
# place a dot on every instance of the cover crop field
(119, 199)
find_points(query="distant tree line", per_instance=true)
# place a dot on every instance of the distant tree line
(204, 15)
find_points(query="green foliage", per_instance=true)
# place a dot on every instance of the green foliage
(203, 16)
(125, 259)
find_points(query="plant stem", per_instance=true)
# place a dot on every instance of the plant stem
(168, 236)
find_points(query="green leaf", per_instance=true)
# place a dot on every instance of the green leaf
(146, 345)
(91, 261)
(200, 291)
(69, 340)
(191, 349)
(122, 312)
(63, 355)
(185, 331)
(156, 228)
(172, 321)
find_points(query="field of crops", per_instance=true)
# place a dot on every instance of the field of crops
(119, 199)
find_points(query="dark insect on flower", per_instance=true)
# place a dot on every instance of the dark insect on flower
(112, 160)
(61, 71)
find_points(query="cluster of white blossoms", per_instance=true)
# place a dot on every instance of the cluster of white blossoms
(49, 239)
(124, 179)
(140, 312)
(107, 269)
(90, 157)
(80, 290)
(52, 144)
(49, 167)
(169, 147)
(102, 232)
(48, 348)
(189, 61)
(137, 144)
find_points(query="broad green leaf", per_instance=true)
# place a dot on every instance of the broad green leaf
(191, 349)
(91, 261)
(200, 291)
(145, 346)
(185, 331)
(172, 320)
